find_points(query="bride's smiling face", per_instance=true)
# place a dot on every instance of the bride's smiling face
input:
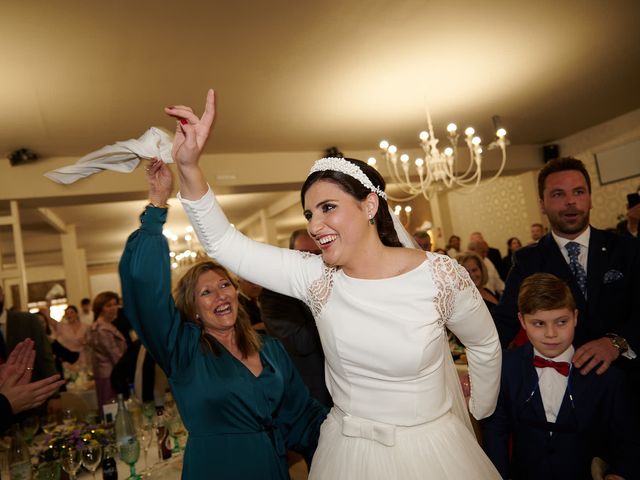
(337, 221)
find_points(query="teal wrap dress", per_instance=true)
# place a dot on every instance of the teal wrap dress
(240, 426)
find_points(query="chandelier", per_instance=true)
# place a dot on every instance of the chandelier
(186, 252)
(440, 169)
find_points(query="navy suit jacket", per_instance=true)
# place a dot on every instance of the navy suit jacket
(596, 418)
(613, 288)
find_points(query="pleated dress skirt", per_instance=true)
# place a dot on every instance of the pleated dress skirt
(441, 449)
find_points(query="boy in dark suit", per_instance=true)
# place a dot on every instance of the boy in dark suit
(558, 419)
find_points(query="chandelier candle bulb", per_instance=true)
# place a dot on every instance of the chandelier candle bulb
(441, 169)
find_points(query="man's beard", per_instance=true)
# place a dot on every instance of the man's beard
(561, 225)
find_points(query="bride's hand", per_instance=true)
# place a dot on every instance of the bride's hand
(191, 132)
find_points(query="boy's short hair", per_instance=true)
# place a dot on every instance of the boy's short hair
(543, 291)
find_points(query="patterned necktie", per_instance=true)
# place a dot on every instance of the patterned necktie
(561, 367)
(573, 249)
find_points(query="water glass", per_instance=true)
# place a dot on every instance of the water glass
(145, 436)
(91, 457)
(129, 454)
(71, 461)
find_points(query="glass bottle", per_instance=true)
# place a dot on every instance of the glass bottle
(109, 466)
(126, 438)
(134, 407)
(19, 457)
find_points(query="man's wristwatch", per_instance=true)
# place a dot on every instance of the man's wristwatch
(618, 342)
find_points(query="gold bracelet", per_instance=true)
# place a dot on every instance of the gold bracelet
(151, 204)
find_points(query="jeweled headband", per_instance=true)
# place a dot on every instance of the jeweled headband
(344, 166)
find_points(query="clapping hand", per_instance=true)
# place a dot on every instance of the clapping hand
(15, 378)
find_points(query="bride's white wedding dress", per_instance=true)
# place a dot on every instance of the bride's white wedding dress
(388, 366)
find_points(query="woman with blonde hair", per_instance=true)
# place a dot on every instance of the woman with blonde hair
(238, 393)
(473, 263)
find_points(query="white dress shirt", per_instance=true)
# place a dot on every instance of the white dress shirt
(582, 240)
(553, 384)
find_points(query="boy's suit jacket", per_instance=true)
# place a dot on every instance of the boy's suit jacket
(599, 421)
(613, 291)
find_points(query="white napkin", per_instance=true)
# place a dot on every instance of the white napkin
(121, 157)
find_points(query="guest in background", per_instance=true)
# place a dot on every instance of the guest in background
(513, 244)
(85, 314)
(629, 226)
(122, 324)
(473, 263)
(290, 321)
(494, 282)
(107, 344)
(537, 232)
(423, 239)
(61, 354)
(453, 246)
(71, 333)
(493, 254)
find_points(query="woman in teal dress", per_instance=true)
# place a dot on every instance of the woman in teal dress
(239, 395)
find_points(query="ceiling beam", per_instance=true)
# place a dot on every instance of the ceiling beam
(52, 220)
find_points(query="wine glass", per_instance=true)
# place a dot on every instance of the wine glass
(29, 427)
(145, 436)
(91, 457)
(68, 417)
(71, 461)
(129, 454)
(49, 423)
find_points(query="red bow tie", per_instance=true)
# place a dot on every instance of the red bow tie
(561, 367)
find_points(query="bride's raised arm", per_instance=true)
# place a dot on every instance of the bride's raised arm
(191, 136)
(279, 269)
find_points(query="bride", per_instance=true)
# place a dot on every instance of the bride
(382, 312)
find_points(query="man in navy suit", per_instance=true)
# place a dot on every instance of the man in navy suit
(558, 420)
(601, 268)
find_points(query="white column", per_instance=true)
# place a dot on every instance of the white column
(75, 266)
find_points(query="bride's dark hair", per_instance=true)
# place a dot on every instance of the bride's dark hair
(350, 185)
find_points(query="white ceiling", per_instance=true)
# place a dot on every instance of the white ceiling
(302, 76)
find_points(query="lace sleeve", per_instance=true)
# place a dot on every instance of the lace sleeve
(462, 310)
